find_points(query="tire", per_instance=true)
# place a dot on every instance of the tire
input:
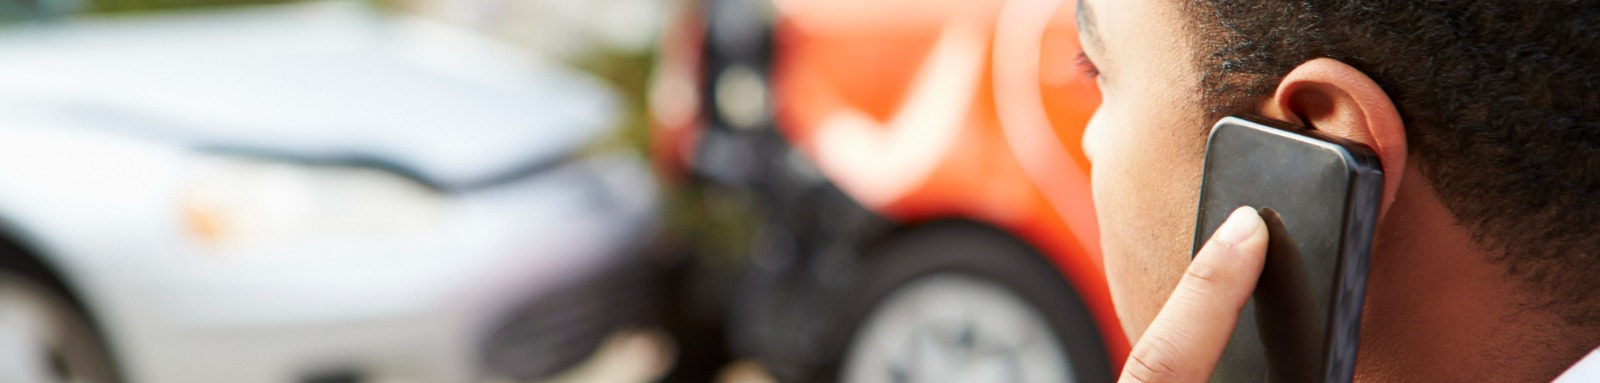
(966, 303)
(44, 337)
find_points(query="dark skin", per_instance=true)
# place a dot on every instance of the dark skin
(1437, 308)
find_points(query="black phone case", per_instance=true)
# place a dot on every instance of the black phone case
(1319, 196)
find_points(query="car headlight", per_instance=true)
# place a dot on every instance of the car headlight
(247, 202)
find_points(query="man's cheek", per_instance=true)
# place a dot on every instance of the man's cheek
(1093, 135)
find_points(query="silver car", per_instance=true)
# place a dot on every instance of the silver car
(305, 193)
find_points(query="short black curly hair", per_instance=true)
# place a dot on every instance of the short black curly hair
(1500, 98)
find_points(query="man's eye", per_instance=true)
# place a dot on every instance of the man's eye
(1086, 67)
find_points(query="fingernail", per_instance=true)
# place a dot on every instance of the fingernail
(1239, 226)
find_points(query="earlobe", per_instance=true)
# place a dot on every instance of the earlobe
(1336, 99)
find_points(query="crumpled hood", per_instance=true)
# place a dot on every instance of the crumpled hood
(321, 81)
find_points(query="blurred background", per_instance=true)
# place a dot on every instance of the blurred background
(547, 191)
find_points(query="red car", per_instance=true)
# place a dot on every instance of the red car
(924, 205)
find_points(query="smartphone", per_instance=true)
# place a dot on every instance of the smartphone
(1319, 196)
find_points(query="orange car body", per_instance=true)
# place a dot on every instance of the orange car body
(930, 109)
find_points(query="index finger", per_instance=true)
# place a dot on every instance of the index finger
(1186, 339)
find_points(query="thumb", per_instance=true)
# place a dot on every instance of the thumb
(1187, 337)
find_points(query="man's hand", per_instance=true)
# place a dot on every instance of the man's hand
(1187, 337)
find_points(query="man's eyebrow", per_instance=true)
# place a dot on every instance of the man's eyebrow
(1086, 24)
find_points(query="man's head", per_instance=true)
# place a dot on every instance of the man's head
(1494, 103)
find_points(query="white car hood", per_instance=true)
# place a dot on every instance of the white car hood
(320, 81)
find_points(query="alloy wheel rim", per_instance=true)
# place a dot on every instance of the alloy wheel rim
(956, 328)
(40, 339)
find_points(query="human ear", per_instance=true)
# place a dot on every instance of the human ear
(1334, 98)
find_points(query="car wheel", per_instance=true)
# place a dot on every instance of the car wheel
(44, 338)
(959, 304)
